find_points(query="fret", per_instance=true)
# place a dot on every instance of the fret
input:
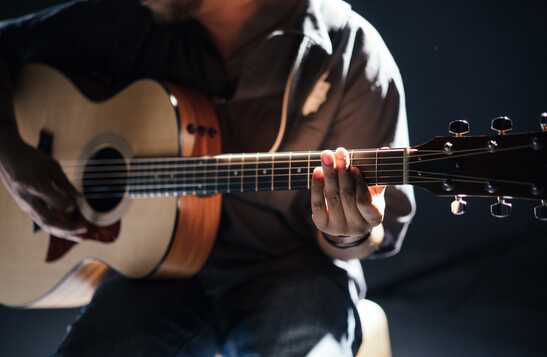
(264, 172)
(223, 173)
(391, 166)
(299, 170)
(366, 162)
(205, 189)
(185, 177)
(290, 173)
(228, 174)
(200, 178)
(235, 183)
(382, 166)
(281, 172)
(216, 174)
(308, 174)
(376, 167)
(248, 169)
(256, 173)
(405, 166)
(272, 157)
(242, 172)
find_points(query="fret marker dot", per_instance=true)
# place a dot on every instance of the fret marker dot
(299, 170)
(264, 172)
(235, 173)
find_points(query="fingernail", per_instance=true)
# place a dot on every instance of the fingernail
(341, 153)
(326, 158)
(317, 173)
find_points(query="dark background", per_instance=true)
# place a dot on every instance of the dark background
(462, 286)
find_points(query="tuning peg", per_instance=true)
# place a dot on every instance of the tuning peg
(458, 206)
(540, 212)
(502, 125)
(459, 128)
(501, 209)
(543, 121)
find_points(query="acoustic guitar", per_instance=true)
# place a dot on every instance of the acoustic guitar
(149, 165)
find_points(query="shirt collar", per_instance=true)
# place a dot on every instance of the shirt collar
(307, 22)
(311, 23)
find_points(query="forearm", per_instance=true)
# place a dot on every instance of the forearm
(363, 250)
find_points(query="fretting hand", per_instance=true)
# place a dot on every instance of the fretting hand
(343, 206)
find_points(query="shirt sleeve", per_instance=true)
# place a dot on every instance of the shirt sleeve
(373, 114)
(96, 35)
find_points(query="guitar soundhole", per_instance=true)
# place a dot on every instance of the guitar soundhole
(105, 180)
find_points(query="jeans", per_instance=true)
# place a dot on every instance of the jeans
(295, 313)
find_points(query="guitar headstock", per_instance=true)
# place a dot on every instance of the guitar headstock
(500, 166)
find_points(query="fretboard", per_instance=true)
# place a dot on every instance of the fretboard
(232, 173)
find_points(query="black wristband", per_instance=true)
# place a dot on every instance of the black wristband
(347, 245)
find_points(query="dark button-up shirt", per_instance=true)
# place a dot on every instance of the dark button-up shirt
(341, 83)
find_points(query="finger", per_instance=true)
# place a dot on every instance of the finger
(54, 220)
(337, 221)
(64, 183)
(364, 201)
(62, 189)
(318, 208)
(48, 194)
(356, 224)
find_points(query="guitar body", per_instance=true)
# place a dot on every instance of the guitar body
(147, 163)
(156, 237)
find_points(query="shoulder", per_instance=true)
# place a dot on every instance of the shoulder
(370, 56)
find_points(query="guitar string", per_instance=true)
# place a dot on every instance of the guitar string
(233, 181)
(210, 162)
(194, 172)
(197, 164)
(130, 194)
(251, 154)
(156, 176)
(225, 155)
(483, 179)
(237, 186)
(472, 154)
(186, 160)
(224, 167)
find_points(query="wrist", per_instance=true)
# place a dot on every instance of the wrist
(346, 242)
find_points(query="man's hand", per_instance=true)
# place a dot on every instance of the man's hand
(40, 188)
(343, 206)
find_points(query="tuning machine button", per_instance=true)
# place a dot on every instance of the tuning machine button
(543, 122)
(459, 128)
(540, 212)
(458, 206)
(501, 209)
(502, 125)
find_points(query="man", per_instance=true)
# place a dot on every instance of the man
(270, 286)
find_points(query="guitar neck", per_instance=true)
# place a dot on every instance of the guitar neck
(229, 173)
